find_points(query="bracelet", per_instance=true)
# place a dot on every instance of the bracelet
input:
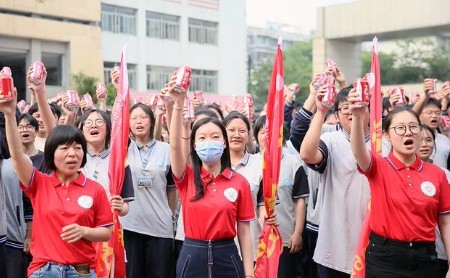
(186, 138)
(178, 108)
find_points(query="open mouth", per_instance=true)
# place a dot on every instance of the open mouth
(72, 163)
(409, 142)
(25, 135)
(140, 128)
(434, 122)
(95, 132)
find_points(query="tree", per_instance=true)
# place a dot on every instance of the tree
(297, 61)
(85, 84)
(387, 70)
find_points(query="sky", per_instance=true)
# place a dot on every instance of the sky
(301, 13)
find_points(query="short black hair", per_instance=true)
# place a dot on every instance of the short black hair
(105, 118)
(206, 112)
(236, 115)
(56, 109)
(386, 103)
(342, 96)
(260, 123)
(61, 135)
(433, 101)
(149, 113)
(31, 120)
(35, 108)
(388, 120)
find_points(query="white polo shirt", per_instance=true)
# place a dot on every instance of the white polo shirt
(440, 156)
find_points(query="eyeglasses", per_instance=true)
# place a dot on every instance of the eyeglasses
(400, 130)
(98, 123)
(27, 127)
(141, 117)
(430, 112)
(344, 110)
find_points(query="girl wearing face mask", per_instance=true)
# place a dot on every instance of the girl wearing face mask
(216, 201)
(148, 227)
(427, 147)
(409, 198)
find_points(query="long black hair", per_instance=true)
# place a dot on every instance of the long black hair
(149, 113)
(225, 160)
(388, 120)
(105, 117)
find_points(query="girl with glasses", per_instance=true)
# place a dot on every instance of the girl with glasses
(409, 198)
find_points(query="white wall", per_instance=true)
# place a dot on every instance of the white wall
(228, 57)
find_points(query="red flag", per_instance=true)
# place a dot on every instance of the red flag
(111, 254)
(359, 266)
(270, 242)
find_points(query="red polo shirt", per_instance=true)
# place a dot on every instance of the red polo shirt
(227, 199)
(406, 200)
(83, 202)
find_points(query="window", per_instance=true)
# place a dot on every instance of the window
(53, 64)
(118, 20)
(163, 26)
(203, 32)
(132, 74)
(204, 80)
(158, 77)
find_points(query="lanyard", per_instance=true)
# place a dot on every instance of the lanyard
(145, 161)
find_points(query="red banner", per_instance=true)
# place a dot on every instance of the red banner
(359, 266)
(111, 254)
(270, 242)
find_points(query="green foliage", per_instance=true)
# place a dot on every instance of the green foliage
(112, 92)
(84, 84)
(297, 62)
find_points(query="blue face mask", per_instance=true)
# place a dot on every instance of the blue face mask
(210, 152)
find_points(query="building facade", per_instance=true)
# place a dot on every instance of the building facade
(64, 35)
(207, 35)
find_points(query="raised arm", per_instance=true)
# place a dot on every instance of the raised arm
(357, 135)
(41, 97)
(159, 113)
(420, 104)
(22, 164)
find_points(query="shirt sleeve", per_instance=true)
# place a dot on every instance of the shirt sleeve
(444, 200)
(374, 161)
(127, 193)
(322, 166)
(182, 183)
(169, 178)
(301, 187)
(245, 211)
(102, 209)
(35, 182)
(299, 127)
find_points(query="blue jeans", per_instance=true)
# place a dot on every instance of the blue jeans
(54, 270)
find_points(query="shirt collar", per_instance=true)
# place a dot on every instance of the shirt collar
(81, 180)
(347, 135)
(148, 145)
(207, 177)
(244, 160)
(398, 165)
(102, 154)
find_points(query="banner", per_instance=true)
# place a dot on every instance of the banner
(270, 243)
(359, 266)
(111, 254)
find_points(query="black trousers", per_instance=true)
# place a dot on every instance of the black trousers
(209, 259)
(443, 268)
(17, 263)
(326, 272)
(309, 246)
(147, 256)
(395, 259)
(2, 260)
(289, 264)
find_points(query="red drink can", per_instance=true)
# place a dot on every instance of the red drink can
(331, 80)
(183, 77)
(113, 71)
(198, 95)
(59, 97)
(432, 92)
(248, 107)
(248, 98)
(320, 81)
(26, 109)
(88, 99)
(362, 88)
(332, 65)
(21, 105)
(6, 86)
(37, 73)
(295, 88)
(330, 96)
(153, 102)
(73, 100)
(445, 123)
(101, 90)
(399, 91)
(7, 71)
(161, 105)
(189, 113)
(415, 97)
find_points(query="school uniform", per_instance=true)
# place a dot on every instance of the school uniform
(83, 202)
(148, 226)
(3, 230)
(440, 248)
(441, 153)
(406, 201)
(210, 224)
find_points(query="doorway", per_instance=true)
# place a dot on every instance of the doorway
(17, 62)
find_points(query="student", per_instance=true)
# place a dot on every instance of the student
(292, 191)
(64, 201)
(42, 133)
(409, 198)
(427, 147)
(216, 201)
(19, 209)
(148, 227)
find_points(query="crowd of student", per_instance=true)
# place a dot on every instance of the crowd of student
(192, 202)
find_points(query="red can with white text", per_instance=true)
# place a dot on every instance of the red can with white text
(101, 90)
(399, 91)
(189, 113)
(183, 77)
(161, 105)
(37, 73)
(7, 71)
(295, 88)
(6, 87)
(320, 81)
(414, 98)
(115, 70)
(26, 109)
(21, 105)
(248, 107)
(59, 97)
(332, 65)
(362, 88)
(432, 92)
(73, 100)
(88, 99)
(330, 96)
(198, 95)
(153, 102)
(445, 123)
